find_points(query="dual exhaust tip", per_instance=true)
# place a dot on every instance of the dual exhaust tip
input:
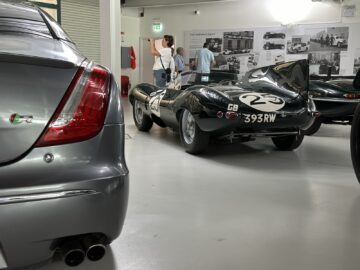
(75, 251)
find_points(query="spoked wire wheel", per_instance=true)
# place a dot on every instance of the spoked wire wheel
(139, 114)
(188, 127)
(142, 121)
(193, 138)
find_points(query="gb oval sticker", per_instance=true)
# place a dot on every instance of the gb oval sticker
(263, 102)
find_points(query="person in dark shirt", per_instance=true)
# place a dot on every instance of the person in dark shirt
(327, 40)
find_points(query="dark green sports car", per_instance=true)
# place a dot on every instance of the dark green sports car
(335, 98)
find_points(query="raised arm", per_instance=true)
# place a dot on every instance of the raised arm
(153, 49)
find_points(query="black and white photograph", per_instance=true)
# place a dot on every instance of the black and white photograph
(298, 45)
(238, 42)
(324, 63)
(220, 61)
(253, 60)
(328, 39)
(274, 45)
(274, 41)
(357, 61)
(233, 64)
(215, 44)
(274, 35)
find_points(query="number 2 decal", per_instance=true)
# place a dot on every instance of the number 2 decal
(256, 100)
(262, 101)
(155, 102)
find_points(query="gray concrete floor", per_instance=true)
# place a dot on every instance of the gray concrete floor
(242, 206)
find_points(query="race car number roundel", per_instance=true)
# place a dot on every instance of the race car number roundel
(263, 102)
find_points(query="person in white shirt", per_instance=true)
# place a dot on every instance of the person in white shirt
(163, 60)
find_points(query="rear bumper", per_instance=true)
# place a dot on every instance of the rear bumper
(284, 122)
(83, 191)
(30, 225)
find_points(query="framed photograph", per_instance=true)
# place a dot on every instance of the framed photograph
(323, 63)
(238, 42)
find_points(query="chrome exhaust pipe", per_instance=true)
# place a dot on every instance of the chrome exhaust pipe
(73, 253)
(95, 248)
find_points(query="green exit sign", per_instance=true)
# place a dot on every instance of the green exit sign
(157, 27)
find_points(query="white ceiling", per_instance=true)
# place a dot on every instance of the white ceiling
(158, 3)
(154, 3)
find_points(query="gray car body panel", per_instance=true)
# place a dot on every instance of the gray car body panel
(39, 47)
(18, 10)
(93, 171)
(32, 91)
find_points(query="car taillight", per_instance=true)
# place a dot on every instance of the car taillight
(231, 115)
(81, 113)
(220, 114)
(352, 96)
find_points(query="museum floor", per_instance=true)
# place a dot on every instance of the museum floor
(242, 206)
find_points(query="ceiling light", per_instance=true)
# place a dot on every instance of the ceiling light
(289, 11)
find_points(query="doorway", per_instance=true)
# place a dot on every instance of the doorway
(146, 62)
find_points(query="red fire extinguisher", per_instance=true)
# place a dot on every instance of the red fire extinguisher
(125, 86)
(133, 58)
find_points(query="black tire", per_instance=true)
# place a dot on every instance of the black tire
(200, 140)
(288, 143)
(143, 123)
(313, 128)
(355, 142)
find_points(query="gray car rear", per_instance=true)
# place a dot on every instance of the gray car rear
(53, 193)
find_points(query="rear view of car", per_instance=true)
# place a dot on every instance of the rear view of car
(63, 176)
(339, 42)
(336, 99)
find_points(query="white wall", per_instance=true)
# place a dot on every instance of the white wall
(229, 15)
(131, 27)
